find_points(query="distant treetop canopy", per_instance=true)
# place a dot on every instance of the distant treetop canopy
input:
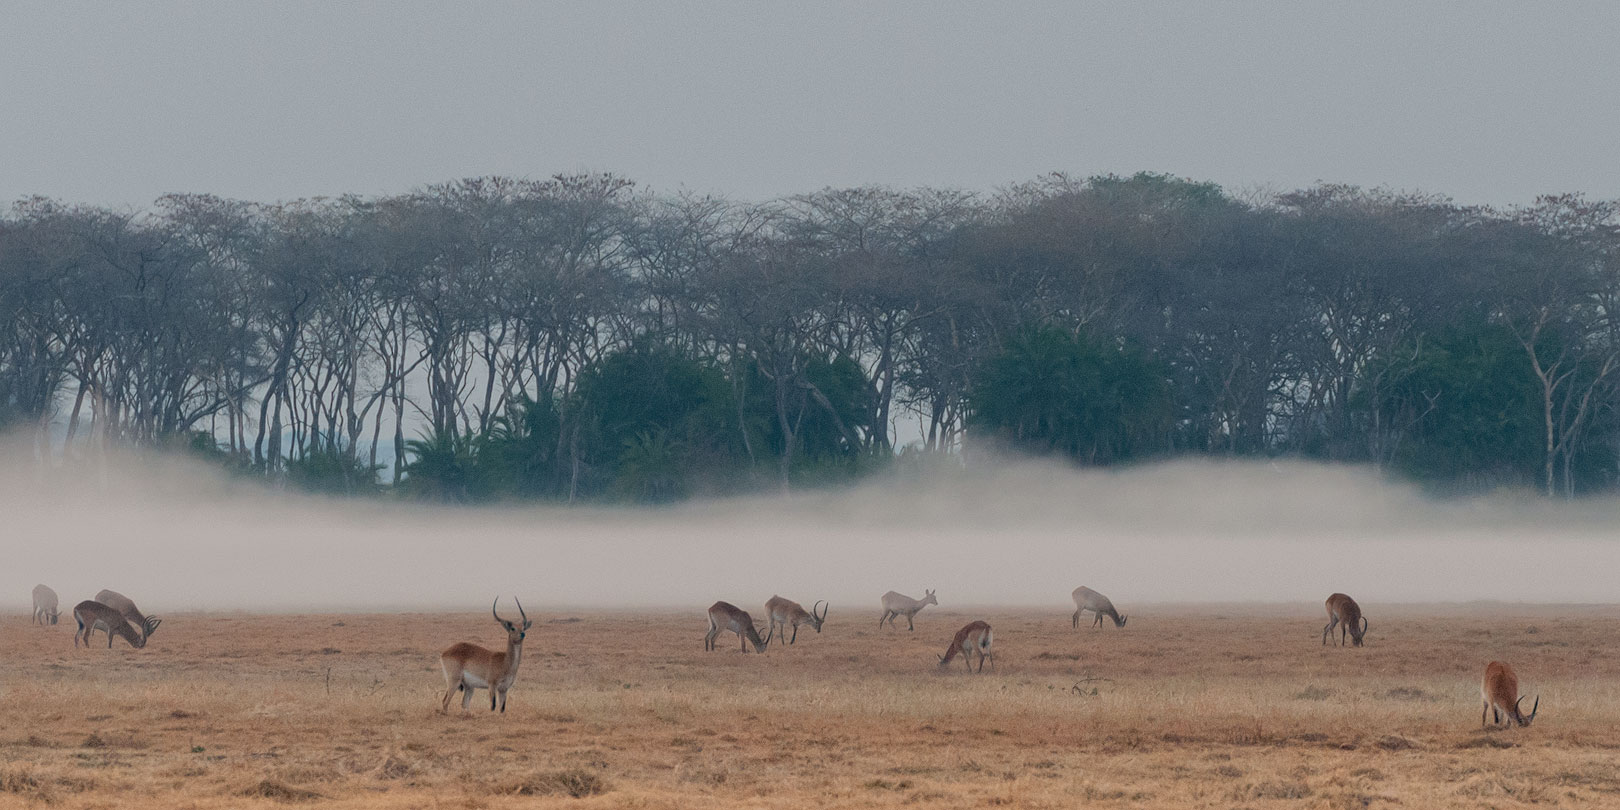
(579, 338)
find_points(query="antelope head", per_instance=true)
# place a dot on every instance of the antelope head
(52, 616)
(1357, 632)
(928, 598)
(1119, 620)
(514, 632)
(816, 620)
(1521, 718)
(150, 627)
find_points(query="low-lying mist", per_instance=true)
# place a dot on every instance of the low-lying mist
(179, 537)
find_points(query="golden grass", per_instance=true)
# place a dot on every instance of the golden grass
(1208, 707)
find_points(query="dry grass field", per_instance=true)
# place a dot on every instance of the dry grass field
(1222, 707)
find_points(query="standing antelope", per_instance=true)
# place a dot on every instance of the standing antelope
(125, 606)
(975, 636)
(1087, 599)
(469, 666)
(786, 611)
(91, 614)
(45, 611)
(1343, 611)
(1500, 690)
(726, 616)
(898, 604)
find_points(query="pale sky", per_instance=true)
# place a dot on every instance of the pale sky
(117, 103)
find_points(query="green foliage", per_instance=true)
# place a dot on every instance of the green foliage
(652, 467)
(653, 421)
(441, 467)
(841, 381)
(333, 472)
(1468, 403)
(1053, 391)
(517, 455)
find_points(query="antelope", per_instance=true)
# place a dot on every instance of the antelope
(1500, 690)
(1342, 610)
(786, 611)
(91, 614)
(726, 616)
(976, 635)
(1087, 599)
(125, 606)
(469, 666)
(898, 604)
(45, 611)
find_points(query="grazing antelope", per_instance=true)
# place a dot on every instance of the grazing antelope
(1087, 599)
(45, 611)
(91, 614)
(898, 604)
(726, 616)
(975, 636)
(1343, 611)
(126, 606)
(786, 611)
(469, 666)
(1500, 689)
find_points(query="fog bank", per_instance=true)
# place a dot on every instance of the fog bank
(179, 537)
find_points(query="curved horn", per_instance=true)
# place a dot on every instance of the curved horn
(823, 615)
(1364, 625)
(1533, 709)
(492, 610)
(526, 622)
(769, 635)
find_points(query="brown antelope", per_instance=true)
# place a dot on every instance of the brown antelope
(126, 606)
(45, 611)
(1500, 690)
(786, 611)
(975, 636)
(1343, 611)
(726, 616)
(469, 666)
(898, 604)
(1087, 599)
(91, 614)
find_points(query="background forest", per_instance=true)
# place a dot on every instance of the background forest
(578, 338)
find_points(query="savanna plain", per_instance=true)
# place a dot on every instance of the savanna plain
(1209, 706)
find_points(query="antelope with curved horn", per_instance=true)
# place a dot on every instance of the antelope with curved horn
(91, 614)
(1500, 690)
(898, 604)
(1344, 612)
(974, 636)
(45, 611)
(729, 617)
(1087, 599)
(786, 611)
(468, 666)
(125, 606)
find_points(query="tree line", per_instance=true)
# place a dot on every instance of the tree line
(578, 337)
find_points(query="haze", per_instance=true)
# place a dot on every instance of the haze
(117, 104)
(179, 537)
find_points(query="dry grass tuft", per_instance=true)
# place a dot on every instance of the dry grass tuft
(1395, 742)
(573, 782)
(279, 791)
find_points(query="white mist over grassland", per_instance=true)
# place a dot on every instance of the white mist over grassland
(178, 536)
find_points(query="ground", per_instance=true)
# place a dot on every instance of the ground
(1228, 706)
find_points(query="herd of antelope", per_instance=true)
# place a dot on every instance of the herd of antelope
(468, 666)
(110, 611)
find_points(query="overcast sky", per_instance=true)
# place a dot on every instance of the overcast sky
(1489, 102)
